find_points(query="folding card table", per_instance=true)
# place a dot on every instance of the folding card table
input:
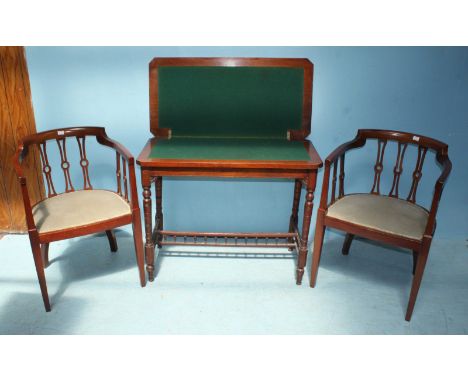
(230, 118)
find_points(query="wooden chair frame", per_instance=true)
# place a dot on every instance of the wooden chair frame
(336, 159)
(125, 164)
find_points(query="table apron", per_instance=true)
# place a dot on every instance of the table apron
(228, 173)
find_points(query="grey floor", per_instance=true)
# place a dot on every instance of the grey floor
(197, 291)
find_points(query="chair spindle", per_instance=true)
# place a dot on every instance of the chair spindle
(118, 173)
(65, 164)
(342, 176)
(333, 193)
(47, 170)
(378, 167)
(398, 169)
(84, 163)
(417, 174)
(125, 182)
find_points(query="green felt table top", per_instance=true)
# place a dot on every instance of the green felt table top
(229, 149)
(230, 101)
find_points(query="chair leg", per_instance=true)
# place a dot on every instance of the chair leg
(418, 275)
(112, 240)
(415, 260)
(45, 254)
(318, 243)
(37, 254)
(138, 240)
(347, 243)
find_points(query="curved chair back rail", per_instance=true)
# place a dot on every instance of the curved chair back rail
(334, 166)
(125, 164)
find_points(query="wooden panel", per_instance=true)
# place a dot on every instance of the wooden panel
(16, 121)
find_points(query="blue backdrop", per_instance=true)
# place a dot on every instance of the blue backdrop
(422, 90)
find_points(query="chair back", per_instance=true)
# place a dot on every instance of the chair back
(61, 138)
(403, 139)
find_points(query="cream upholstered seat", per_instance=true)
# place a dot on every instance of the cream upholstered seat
(382, 213)
(78, 208)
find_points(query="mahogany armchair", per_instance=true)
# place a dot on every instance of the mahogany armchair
(386, 218)
(78, 212)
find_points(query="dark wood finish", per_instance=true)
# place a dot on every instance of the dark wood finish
(149, 243)
(45, 254)
(415, 260)
(310, 183)
(347, 243)
(420, 248)
(230, 239)
(159, 223)
(112, 240)
(16, 121)
(40, 241)
(293, 220)
(295, 135)
(303, 172)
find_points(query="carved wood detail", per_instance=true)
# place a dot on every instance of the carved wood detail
(378, 167)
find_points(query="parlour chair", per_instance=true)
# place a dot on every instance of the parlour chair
(386, 218)
(78, 212)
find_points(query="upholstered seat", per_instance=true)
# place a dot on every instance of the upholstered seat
(382, 213)
(78, 208)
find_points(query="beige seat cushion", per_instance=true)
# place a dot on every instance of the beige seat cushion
(381, 213)
(78, 208)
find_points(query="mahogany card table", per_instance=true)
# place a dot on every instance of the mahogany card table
(230, 118)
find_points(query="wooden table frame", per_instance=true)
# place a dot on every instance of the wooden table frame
(303, 172)
(154, 171)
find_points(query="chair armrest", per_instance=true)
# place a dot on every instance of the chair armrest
(339, 152)
(17, 159)
(122, 150)
(446, 164)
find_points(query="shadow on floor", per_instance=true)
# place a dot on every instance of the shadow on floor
(90, 257)
(368, 261)
(24, 313)
(221, 253)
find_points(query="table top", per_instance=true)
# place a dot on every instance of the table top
(238, 152)
(231, 97)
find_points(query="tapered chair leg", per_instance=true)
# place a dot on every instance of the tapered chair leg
(37, 254)
(418, 275)
(45, 254)
(138, 241)
(347, 243)
(112, 240)
(318, 243)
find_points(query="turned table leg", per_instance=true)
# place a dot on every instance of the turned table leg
(159, 215)
(149, 245)
(303, 248)
(295, 208)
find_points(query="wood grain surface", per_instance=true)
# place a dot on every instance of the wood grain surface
(16, 121)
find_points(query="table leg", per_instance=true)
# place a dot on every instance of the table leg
(295, 207)
(149, 245)
(309, 204)
(159, 215)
